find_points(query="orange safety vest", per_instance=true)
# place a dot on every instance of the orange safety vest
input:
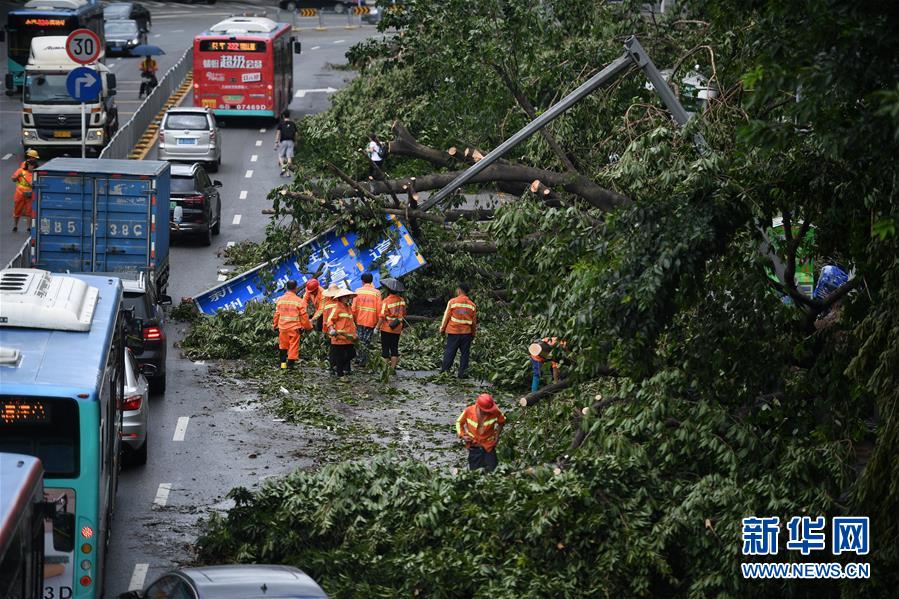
(552, 342)
(327, 309)
(393, 307)
(23, 179)
(341, 318)
(460, 317)
(316, 300)
(480, 426)
(367, 305)
(290, 313)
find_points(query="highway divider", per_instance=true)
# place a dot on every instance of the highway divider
(131, 140)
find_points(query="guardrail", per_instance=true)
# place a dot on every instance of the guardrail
(23, 258)
(126, 138)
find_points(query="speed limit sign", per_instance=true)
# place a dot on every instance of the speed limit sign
(83, 46)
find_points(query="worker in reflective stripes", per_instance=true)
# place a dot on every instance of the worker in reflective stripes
(290, 320)
(22, 198)
(313, 298)
(393, 312)
(366, 308)
(328, 304)
(480, 425)
(460, 321)
(540, 351)
(342, 331)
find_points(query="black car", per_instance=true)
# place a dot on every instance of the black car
(135, 11)
(123, 36)
(232, 582)
(147, 303)
(195, 208)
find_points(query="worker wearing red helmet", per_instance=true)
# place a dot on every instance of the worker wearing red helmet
(480, 425)
(313, 298)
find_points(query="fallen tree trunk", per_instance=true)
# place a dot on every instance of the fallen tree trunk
(597, 409)
(533, 398)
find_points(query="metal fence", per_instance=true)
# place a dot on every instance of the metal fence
(126, 138)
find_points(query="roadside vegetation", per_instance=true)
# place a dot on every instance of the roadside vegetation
(701, 390)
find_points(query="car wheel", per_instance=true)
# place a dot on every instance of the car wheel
(207, 237)
(218, 224)
(157, 384)
(139, 457)
(213, 167)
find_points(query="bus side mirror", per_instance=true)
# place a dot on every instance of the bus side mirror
(64, 532)
(110, 83)
(297, 47)
(10, 81)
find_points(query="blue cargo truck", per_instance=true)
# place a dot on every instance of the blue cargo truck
(99, 215)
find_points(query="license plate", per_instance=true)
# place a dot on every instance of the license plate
(187, 141)
(62, 134)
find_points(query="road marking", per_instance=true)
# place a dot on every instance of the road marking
(263, 130)
(301, 93)
(236, 220)
(177, 31)
(156, 35)
(138, 578)
(334, 42)
(181, 428)
(243, 194)
(258, 143)
(222, 278)
(162, 494)
(315, 47)
(7, 157)
(231, 244)
(254, 158)
(249, 175)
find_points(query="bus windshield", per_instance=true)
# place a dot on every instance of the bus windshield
(23, 28)
(45, 427)
(47, 88)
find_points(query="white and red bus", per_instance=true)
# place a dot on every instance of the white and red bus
(243, 66)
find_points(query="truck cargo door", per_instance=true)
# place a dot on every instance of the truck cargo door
(124, 223)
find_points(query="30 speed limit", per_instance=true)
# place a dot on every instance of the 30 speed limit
(83, 46)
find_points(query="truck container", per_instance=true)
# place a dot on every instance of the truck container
(101, 215)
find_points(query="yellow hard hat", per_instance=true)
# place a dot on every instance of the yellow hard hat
(32, 154)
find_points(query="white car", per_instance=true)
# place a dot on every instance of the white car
(135, 410)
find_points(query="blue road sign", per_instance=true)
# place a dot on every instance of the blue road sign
(84, 84)
(337, 259)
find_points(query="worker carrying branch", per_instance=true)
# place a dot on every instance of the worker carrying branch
(548, 348)
(290, 320)
(480, 425)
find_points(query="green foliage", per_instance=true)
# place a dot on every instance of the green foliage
(232, 335)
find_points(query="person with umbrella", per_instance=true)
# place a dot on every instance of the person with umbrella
(148, 67)
(390, 323)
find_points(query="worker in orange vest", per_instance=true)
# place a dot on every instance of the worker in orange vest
(390, 323)
(313, 298)
(539, 352)
(328, 304)
(480, 425)
(342, 331)
(290, 320)
(22, 198)
(366, 308)
(460, 321)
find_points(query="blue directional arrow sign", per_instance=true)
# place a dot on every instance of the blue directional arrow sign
(84, 84)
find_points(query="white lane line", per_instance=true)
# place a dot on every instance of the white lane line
(138, 578)
(162, 494)
(249, 175)
(315, 47)
(181, 428)
(7, 157)
(263, 130)
(222, 278)
(231, 244)
(236, 220)
(243, 194)
(254, 158)
(157, 35)
(258, 143)
(335, 41)
(175, 31)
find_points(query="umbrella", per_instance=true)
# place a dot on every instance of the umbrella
(393, 285)
(147, 50)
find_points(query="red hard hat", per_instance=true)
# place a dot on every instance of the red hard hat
(485, 402)
(311, 284)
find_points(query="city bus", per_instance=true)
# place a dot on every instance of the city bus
(21, 526)
(243, 66)
(61, 387)
(40, 18)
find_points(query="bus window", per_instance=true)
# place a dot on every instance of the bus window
(45, 427)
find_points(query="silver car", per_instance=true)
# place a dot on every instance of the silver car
(191, 135)
(135, 411)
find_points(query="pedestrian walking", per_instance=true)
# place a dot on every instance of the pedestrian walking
(376, 154)
(366, 308)
(342, 331)
(290, 321)
(460, 323)
(540, 351)
(285, 137)
(314, 302)
(22, 197)
(390, 322)
(480, 426)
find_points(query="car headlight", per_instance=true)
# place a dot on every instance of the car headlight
(95, 135)
(29, 134)
(134, 42)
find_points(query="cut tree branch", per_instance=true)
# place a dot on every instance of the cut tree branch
(534, 398)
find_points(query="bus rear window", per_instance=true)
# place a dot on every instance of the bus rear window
(232, 46)
(44, 427)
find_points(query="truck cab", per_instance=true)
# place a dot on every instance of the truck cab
(51, 119)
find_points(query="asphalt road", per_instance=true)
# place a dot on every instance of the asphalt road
(205, 435)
